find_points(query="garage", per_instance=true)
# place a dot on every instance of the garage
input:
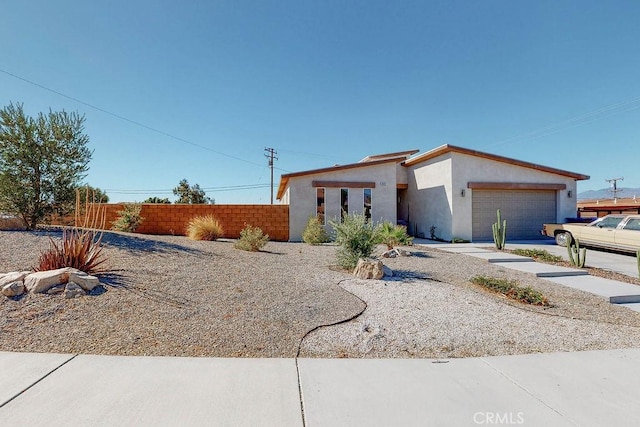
(524, 210)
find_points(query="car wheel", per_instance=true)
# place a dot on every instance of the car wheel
(563, 239)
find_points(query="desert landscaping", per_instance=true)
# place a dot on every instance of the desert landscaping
(168, 295)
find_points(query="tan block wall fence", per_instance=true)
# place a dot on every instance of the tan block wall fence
(173, 219)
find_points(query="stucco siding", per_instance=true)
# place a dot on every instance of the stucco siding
(473, 169)
(303, 195)
(438, 194)
(429, 197)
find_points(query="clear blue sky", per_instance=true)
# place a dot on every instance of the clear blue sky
(327, 82)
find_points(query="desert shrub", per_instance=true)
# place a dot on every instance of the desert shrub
(512, 289)
(356, 238)
(393, 235)
(314, 233)
(79, 249)
(251, 239)
(129, 218)
(538, 255)
(204, 228)
(81, 246)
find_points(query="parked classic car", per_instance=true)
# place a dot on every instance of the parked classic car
(618, 232)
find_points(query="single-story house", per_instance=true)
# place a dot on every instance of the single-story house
(448, 192)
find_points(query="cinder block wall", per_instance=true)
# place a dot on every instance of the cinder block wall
(173, 219)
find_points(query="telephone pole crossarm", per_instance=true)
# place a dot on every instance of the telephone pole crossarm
(270, 154)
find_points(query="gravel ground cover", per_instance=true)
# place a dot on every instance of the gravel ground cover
(435, 312)
(167, 295)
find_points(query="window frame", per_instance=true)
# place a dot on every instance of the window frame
(323, 205)
(364, 203)
(344, 202)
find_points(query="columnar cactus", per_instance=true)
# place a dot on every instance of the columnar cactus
(638, 261)
(577, 255)
(499, 232)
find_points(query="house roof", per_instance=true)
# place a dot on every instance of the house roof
(284, 179)
(446, 148)
(398, 155)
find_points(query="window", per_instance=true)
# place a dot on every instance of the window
(632, 224)
(367, 203)
(320, 205)
(344, 201)
(609, 222)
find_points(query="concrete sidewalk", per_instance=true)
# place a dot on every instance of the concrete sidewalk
(591, 388)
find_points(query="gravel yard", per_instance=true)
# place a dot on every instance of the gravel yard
(167, 295)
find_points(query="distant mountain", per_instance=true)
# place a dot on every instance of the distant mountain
(606, 193)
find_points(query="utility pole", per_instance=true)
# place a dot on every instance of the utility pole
(270, 154)
(614, 187)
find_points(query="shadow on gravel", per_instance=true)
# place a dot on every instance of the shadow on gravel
(421, 255)
(273, 253)
(408, 275)
(113, 279)
(138, 245)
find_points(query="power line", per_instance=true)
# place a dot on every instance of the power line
(136, 123)
(170, 191)
(600, 113)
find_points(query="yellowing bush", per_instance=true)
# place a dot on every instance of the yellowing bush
(204, 228)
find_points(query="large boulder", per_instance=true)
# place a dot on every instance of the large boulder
(42, 281)
(13, 289)
(14, 276)
(368, 268)
(84, 280)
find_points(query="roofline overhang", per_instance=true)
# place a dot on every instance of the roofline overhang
(446, 148)
(284, 179)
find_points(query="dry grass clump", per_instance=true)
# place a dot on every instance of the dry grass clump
(204, 228)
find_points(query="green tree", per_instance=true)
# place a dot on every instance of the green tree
(191, 194)
(42, 161)
(157, 200)
(95, 194)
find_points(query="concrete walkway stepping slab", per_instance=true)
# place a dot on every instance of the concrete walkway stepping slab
(496, 257)
(21, 370)
(543, 270)
(591, 388)
(118, 390)
(616, 292)
(635, 306)
(462, 249)
(413, 392)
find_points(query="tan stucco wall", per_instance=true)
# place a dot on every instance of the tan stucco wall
(435, 188)
(302, 196)
(429, 197)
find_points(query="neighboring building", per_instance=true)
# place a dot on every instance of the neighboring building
(602, 207)
(446, 192)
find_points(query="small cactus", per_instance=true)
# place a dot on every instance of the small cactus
(499, 232)
(577, 255)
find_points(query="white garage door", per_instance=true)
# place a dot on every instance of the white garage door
(524, 210)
